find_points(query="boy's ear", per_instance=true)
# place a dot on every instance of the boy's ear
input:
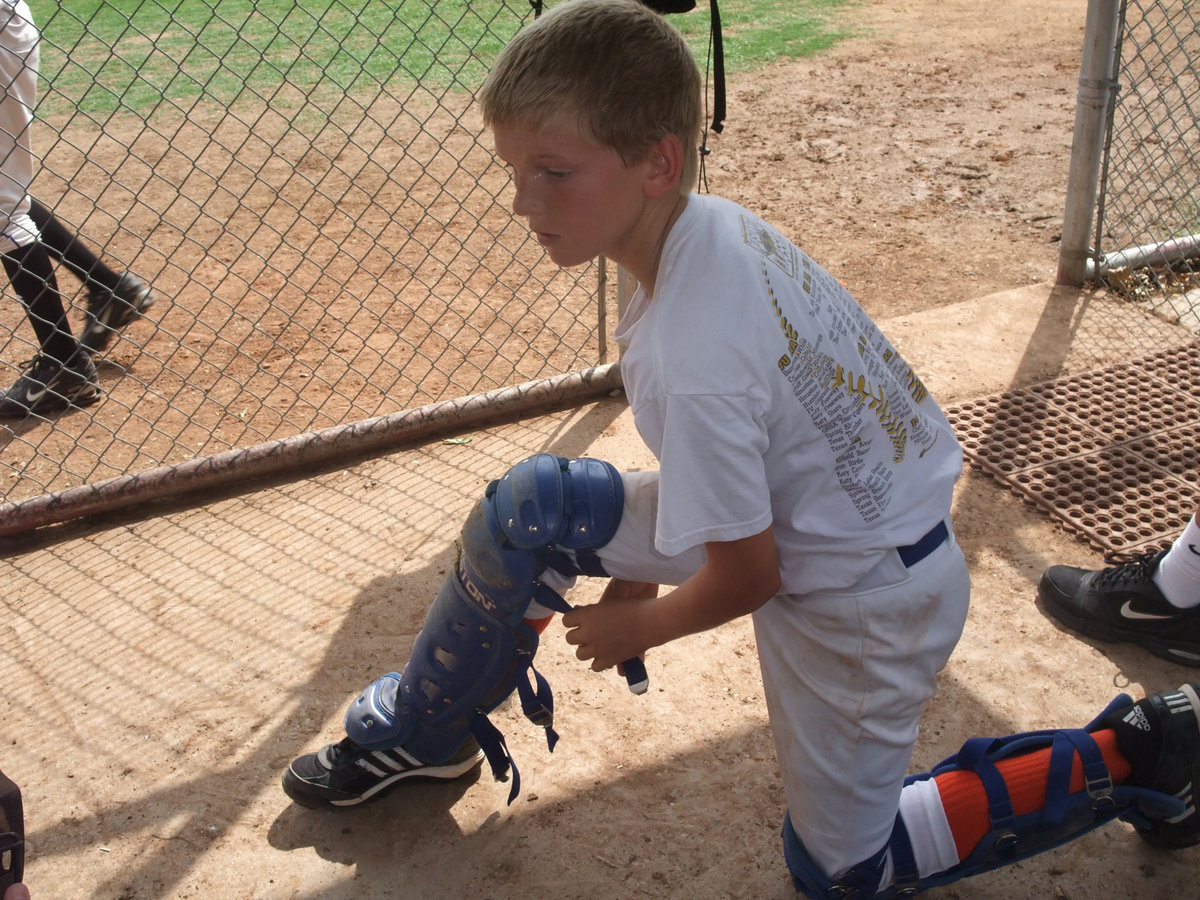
(665, 166)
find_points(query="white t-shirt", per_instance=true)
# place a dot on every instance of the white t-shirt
(770, 397)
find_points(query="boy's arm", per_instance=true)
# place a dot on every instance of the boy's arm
(737, 578)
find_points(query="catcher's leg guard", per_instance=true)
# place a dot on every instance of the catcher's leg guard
(1063, 817)
(546, 513)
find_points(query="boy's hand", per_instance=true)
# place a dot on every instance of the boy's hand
(633, 668)
(610, 632)
(737, 577)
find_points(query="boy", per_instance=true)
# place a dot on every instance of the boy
(805, 479)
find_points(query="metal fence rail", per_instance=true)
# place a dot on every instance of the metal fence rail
(306, 189)
(1140, 96)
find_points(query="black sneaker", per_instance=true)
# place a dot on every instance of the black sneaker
(346, 774)
(1122, 603)
(108, 311)
(1160, 736)
(48, 384)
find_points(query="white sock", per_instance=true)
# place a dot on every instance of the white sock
(928, 830)
(1178, 573)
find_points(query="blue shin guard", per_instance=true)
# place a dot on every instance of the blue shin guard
(473, 650)
(1064, 816)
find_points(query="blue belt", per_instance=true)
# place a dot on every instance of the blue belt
(934, 538)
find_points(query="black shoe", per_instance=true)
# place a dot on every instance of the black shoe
(345, 774)
(48, 384)
(108, 311)
(1122, 603)
(1160, 736)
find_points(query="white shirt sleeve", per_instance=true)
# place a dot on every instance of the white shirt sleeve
(712, 477)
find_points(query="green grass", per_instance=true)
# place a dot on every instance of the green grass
(133, 54)
(103, 56)
(760, 32)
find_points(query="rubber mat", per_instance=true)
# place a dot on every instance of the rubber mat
(1113, 455)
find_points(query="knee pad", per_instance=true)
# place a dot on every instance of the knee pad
(1063, 817)
(545, 512)
(473, 650)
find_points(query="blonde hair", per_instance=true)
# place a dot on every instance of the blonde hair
(618, 69)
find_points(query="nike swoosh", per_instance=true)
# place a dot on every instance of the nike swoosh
(1192, 547)
(34, 396)
(1128, 612)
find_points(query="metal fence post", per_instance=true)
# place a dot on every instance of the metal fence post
(1096, 86)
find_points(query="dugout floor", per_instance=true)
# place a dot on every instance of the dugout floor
(1110, 453)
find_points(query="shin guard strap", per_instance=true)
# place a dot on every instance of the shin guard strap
(491, 742)
(1097, 781)
(537, 700)
(974, 757)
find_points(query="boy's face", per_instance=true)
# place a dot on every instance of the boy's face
(578, 197)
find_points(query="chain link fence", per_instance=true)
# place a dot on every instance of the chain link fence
(1147, 209)
(307, 189)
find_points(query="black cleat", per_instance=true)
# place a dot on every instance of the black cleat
(345, 774)
(108, 311)
(48, 385)
(1123, 604)
(1161, 737)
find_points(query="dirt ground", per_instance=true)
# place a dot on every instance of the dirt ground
(159, 673)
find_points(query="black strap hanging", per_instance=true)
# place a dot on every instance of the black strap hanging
(668, 7)
(718, 122)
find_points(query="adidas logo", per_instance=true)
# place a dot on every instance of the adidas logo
(1136, 718)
